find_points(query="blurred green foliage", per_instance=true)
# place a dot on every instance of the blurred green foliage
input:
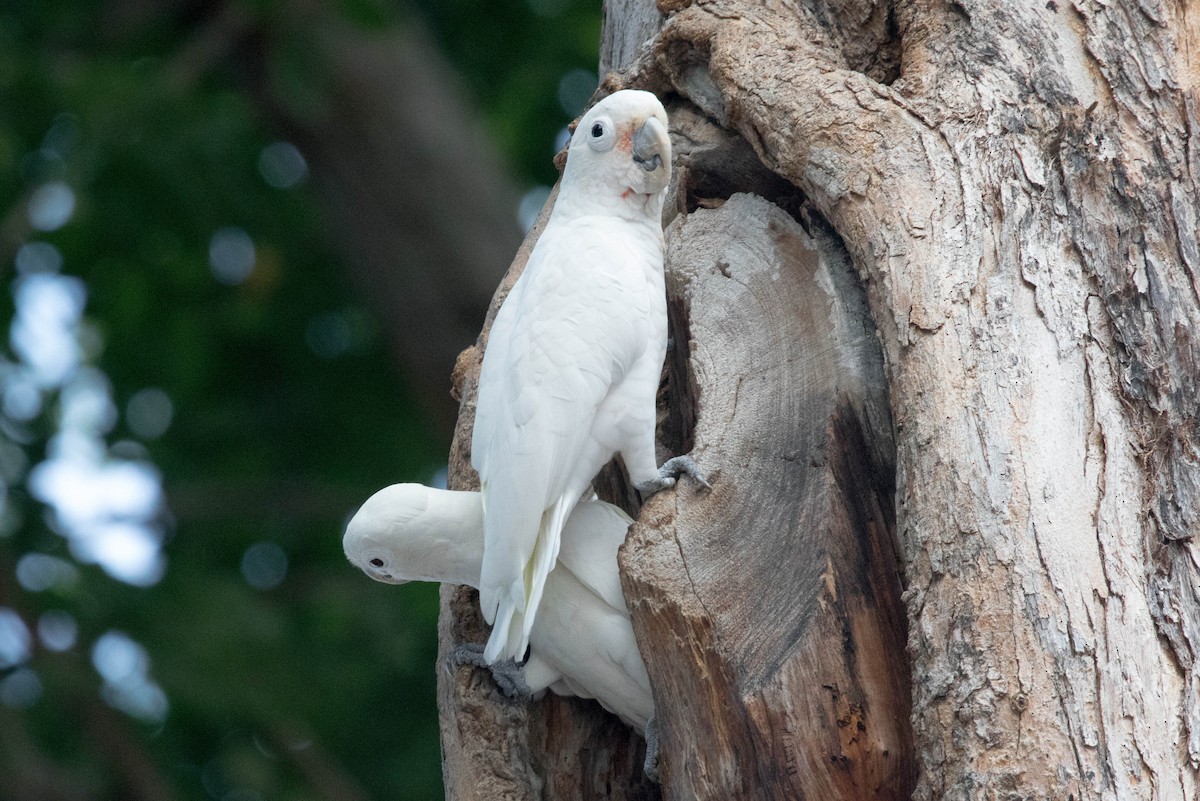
(275, 693)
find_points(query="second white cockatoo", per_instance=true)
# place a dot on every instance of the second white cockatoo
(583, 643)
(573, 359)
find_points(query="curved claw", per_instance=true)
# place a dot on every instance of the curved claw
(510, 678)
(508, 675)
(650, 767)
(469, 654)
(670, 472)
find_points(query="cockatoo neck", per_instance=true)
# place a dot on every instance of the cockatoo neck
(623, 203)
(450, 534)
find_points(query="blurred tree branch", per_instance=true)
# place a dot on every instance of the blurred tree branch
(140, 777)
(417, 200)
(316, 764)
(420, 207)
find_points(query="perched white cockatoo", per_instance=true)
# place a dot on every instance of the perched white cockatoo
(573, 360)
(582, 644)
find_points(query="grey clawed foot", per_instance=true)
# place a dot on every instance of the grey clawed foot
(510, 678)
(469, 654)
(670, 472)
(508, 675)
(650, 768)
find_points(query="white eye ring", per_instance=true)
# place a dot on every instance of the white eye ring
(376, 560)
(601, 134)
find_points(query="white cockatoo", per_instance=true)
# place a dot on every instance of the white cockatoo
(572, 363)
(582, 644)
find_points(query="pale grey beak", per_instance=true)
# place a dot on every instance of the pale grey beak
(650, 142)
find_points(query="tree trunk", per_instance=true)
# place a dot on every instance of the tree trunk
(934, 305)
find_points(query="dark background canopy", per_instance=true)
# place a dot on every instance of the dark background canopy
(243, 243)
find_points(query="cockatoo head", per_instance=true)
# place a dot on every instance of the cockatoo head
(385, 534)
(620, 151)
(409, 532)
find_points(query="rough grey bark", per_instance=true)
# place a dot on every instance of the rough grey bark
(1015, 187)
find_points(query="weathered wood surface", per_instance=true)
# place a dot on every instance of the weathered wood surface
(769, 609)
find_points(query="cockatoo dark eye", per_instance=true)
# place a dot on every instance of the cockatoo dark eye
(601, 136)
(377, 562)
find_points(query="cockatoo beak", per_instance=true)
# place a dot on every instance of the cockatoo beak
(651, 144)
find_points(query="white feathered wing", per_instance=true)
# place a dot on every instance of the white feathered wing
(572, 366)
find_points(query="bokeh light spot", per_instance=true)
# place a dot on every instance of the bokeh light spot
(231, 255)
(124, 666)
(336, 333)
(22, 399)
(264, 565)
(57, 630)
(118, 658)
(14, 638)
(561, 138)
(282, 165)
(128, 552)
(86, 403)
(440, 478)
(43, 332)
(38, 257)
(51, 206)
(38, 572)
(20, 689)
(149, 413)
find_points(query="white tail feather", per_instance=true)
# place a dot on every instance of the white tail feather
(545, 556)
(497, 644)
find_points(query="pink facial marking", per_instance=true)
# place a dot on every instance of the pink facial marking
(625, 142)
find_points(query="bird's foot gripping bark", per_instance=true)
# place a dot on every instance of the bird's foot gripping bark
(670, 472)
(508, 675)
(650, 768)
